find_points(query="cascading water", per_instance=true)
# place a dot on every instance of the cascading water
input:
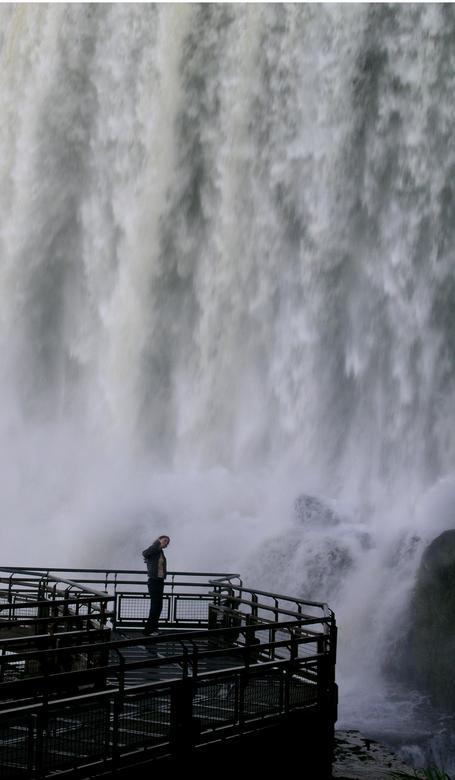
(227, 283)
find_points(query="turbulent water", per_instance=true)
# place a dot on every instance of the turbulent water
(227, 280)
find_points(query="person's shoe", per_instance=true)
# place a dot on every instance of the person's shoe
(154, 633)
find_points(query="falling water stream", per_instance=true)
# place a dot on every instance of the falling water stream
(227, 290)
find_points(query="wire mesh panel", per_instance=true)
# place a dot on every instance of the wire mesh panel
(301, 692)
(216, 702)
(133, 607)
(75, 735)
(263, 695)
(12, 669)
(145, 719)
(21, 612)
(192, 608)
(81, 608)
(16, 747)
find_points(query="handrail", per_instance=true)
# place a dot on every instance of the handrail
(216, 579)
(296, 599)
(56, 602)
(37, 570)
(72, 583)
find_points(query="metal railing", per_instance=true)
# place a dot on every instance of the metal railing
(187, 595)
(85, 700)
(37, 598)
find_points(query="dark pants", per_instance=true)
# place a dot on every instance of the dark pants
(155, 587)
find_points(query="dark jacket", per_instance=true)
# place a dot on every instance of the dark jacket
(151, 556)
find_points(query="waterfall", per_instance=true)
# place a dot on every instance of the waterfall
(227, 282)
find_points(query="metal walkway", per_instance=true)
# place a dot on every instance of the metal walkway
(80, 699)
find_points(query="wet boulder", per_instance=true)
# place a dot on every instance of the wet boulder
(427, 656)
(313, 511)
(314, 557)
(316, 514)
(309, 566)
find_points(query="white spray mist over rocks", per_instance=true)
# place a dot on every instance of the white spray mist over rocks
(227, 281)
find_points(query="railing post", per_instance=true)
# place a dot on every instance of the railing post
(333, 643)
(107, 729)
(184, 728)
(276, 616)
(42, 723)
(172, 609)
(251, 644)
(327, 694)
(287, 688)
(31, 745)
(118, 706)
(114, 612)
(212, 619)
(185, 663)
(10, 587)
(66, 609)
(289, 671)
(214, 607)
(217, 594)
(2, 666)
(195, 663)
(43, 611)
(321, 672)
(39, 744)
(294, 649)
(243, 684)
(103, 609)
(122, 676)
(331, 661)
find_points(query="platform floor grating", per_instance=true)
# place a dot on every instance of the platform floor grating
(162, 649)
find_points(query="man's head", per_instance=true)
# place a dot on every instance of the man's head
(164, 540)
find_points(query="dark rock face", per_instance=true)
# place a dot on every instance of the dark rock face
(427, 658)
(359, 758)
(313, 512)
(310, 509)
(313, 559)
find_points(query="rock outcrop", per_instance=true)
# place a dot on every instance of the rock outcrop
(359, 758)
(427, 656)
(314, 557)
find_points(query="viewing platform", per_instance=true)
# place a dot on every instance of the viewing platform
(83, 693)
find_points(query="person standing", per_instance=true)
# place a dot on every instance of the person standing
(156, 572)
